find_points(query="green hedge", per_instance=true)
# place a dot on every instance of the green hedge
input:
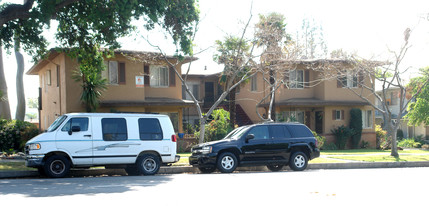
(15, 133)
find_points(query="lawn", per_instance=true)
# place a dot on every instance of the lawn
(11, 166)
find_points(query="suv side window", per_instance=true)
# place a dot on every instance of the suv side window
(114, 129)
(279, 132)
(299, 131)
(260, 132)
(150, 129)
(82, 122)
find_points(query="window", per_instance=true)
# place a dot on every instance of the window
(338, 115)
(158, 76)
(299, 131)
(367, 119)
(279, 132)
(291, 116)
(48, 77)
(254, 85)
(81, 122)
(260, 132)
(150, 129)
(58, 75)
(114, 129)
(194, 88)
(350, 80)
(296, 79)
(115, 72)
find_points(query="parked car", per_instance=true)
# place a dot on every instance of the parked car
(273, 145)
(139, 143)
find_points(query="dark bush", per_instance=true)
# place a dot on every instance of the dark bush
(399, 134)
(342, 135)
(356, 126)
(15, 133)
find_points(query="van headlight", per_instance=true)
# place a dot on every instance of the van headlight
(206, 149)
(34, 146)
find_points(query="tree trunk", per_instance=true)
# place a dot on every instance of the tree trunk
(391, 136)
(20, 107)
(273, 96)
(202, 130)
(4, 101)
(232, 108)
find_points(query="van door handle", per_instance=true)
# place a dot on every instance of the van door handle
(87, 135)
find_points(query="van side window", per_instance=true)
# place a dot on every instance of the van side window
(299, 131)
(82, 122)
(114, 129)
(150, 129)
(279, 132)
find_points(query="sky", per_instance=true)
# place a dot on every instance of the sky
(369, 28)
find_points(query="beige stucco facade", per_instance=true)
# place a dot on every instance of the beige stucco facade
(60, 93)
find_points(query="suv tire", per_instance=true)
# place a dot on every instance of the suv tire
(298, 161)
(275, 168)
(207, 170)
(227, 162)
(56, 166)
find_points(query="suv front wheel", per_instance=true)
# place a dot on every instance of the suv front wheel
(227, 162)
(298, 161)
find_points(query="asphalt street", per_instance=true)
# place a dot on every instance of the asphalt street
(396, 186)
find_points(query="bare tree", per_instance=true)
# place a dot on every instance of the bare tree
(390, 75)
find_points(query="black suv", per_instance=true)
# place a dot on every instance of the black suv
(274, 145)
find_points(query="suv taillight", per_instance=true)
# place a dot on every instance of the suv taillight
(174, 138)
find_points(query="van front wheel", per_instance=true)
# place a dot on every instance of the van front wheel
(148, 164)
(56, 166)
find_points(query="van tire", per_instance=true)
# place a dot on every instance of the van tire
(298, 161)
(148, 164)
(56, 166)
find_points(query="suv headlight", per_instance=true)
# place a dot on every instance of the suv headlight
(34, 146)
(206, 149)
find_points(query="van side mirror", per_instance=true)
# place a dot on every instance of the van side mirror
(74, 129)
(249, 137)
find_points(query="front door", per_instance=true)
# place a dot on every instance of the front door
(319, 122)
(77, 143)
(259, 148)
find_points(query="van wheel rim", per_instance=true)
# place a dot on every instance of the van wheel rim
(299, 161)
(58, 167)
(149, 164)
(227, 162)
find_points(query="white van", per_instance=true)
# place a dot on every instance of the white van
(139, 143)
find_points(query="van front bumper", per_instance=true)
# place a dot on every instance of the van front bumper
(34, 160)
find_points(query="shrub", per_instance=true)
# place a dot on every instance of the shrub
(342, 135)
(425, 146)
(320, 139)
(330, 146)
(409, 143)
(14, 134)
(356, 126)
(381, 137)
(364, 144)
(217, 128)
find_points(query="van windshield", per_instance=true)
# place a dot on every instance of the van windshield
(56, 123)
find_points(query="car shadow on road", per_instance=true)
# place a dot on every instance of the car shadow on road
(49, 187)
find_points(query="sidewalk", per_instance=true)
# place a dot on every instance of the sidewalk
(189, 169)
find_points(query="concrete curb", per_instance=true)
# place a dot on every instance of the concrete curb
(189, 169)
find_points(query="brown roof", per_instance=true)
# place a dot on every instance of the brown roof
(316, 102)
(149, 101)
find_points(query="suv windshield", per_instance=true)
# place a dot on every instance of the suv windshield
(56, 123)
(236, 133)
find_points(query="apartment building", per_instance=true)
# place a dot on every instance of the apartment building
(133, 85)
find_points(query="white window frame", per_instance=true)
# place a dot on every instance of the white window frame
(191, 86)
(155, 79)
(295, 82)
(48, 78)
(111, 73)
(296, 114)
(367, 119)
(338, 115)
